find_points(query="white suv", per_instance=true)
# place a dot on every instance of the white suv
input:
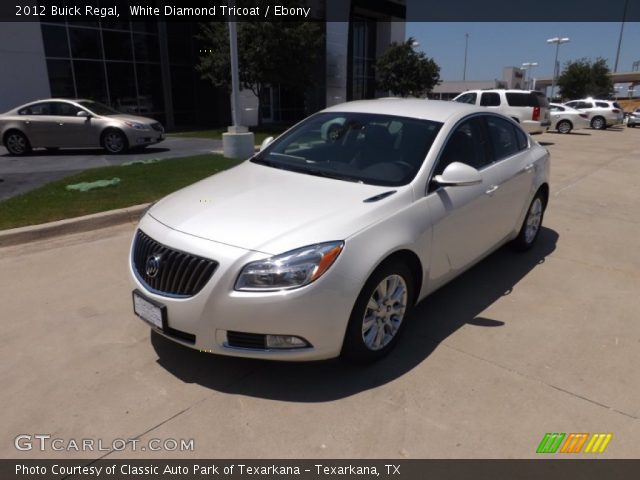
(527, 107)
(602, 113)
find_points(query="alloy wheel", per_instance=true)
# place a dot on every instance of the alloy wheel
(534, 218)
(16, 144)
(114, 142)
(385, 312)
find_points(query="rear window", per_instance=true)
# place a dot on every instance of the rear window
(526, 99)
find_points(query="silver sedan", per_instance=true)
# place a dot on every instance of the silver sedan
(564, 118)
(63, 123)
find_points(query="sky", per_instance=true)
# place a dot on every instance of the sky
(493, 46)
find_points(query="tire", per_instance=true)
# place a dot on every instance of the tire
(598, 123)
(375, 311)
(530, 228)
(564, 126)
(17, 143)
(114, 141)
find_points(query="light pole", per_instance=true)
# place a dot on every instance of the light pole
(528, 68)
(624, 18)
(466, 48)
(558, 41)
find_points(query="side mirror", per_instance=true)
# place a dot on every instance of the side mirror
(265, 143)
(84, 114)
(458, 175)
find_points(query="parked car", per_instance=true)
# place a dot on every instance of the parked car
(529, 108)
(62, 123)
(321, 245)
(564, 119)
(633, 118)
(602, 113)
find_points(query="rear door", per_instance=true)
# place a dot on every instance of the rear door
(38, 123)
(509, 175)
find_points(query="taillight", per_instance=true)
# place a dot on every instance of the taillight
(536, 113)
(615, 110)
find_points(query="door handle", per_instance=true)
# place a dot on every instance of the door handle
(27, 122)
(60, 123)
(528, 168)
(492, 189)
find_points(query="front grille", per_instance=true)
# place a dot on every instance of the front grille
(254, 341)
(157, 127)
(176, 273)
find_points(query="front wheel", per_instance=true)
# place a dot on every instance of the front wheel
(531, 226)
(17, 143)
(114, 141)
(380, 313)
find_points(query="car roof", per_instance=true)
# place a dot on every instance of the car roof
(435, 110)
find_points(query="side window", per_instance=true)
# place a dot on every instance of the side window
(503, 137)
(556, 108)
(586, 105)
(65, 109)
(490, 99)
(465, 145)
(468, 98)
(44, 108)
(523, 141)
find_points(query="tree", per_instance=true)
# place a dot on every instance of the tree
(404, 72)
(269, 53)
(584, 78)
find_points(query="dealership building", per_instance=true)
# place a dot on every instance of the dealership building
(148, 67)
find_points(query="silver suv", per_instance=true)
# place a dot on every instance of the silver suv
(529, 108)
(602, 113)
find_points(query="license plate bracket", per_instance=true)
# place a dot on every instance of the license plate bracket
(152, 312)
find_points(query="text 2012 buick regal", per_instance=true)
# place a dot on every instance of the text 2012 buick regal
(323, 242)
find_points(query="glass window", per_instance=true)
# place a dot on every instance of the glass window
(490, 99)
(523, 141)
(85, 43)
(146, 47)
(148, 26)
(98, 108)
(467, 98)
(60, 78)
(43, 108)
(465, 145)
(602, 105)
(117, 45)
(122, 87)
(115, 24)
(90, 81)
(522, 100)
(65, 109)
(503, 137)
(368, 148)
(150, 87)
(55, 41)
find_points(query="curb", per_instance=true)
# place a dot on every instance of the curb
(16, 236)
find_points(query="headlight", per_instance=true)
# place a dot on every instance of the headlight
(136, 125)
(289, 270)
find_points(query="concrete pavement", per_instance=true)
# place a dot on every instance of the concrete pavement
(21, 174)
(521, 345)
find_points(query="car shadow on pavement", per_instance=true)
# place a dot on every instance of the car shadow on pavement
(433, 320)
(87, 151)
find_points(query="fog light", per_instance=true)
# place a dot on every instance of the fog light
(285, 341)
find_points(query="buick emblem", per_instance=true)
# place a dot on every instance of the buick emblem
(152, 266)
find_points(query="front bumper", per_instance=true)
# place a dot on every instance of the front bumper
(318, 313)
(139, 138)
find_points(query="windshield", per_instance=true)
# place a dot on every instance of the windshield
(98, 108)
(360, 147)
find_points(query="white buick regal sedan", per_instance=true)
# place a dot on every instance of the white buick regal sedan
(322, 243)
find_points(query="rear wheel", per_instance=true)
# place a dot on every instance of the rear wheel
(531, 225)
(17, 143)
(380, 313)
(598, 123)
(564, 126)
(114, 141)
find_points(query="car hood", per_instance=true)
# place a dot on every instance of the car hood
(260, 208)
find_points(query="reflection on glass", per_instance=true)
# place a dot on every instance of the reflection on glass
(55, 41)
(90, 81)
(117, 45)
(60, 78)
(85, 43)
